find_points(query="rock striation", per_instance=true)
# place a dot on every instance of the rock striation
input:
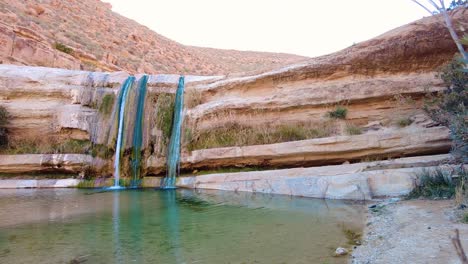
(364, 77)
(37, 163)
(381, 83)
(361, 181)
(410, 141)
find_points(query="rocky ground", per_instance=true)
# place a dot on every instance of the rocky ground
(415, 231)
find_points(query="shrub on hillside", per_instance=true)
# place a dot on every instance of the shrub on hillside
(339, 113)
(63, 48)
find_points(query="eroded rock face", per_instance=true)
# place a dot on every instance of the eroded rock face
(379, 82)
(33, 163)
(46, 102)
(410, 141)
(361, 181)
(364, 77)
(49, 183)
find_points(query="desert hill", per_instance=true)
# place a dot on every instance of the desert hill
(88, 35)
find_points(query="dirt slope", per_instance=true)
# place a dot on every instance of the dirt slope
(101, 39)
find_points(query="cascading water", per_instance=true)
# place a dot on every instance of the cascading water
(138, 130)
(173, 156)
(121, 104)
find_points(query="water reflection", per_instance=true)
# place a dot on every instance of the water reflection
(171, 226)
(171, 221)
(116, 226)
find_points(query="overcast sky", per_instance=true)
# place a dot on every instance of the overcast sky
(303, 27)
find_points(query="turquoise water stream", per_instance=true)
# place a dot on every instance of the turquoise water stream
(173, 156)
(123, 95)
(138, 130)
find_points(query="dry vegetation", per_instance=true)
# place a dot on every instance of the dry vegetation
(50, 145)
(193, 97)
(46, 145)
(234, 134)
(352, 129)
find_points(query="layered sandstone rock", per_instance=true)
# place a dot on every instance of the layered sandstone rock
(409, 141)
(36, 163)
(53, 102)
(361, 181)
(364, 77)
(41, 183)
(379, 82)
(56, 102)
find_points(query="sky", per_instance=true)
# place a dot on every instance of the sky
(303, 27)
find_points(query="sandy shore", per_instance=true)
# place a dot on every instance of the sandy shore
(415, 231)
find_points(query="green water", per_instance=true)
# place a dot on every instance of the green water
(177, 226)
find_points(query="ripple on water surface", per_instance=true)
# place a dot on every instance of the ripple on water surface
(176, 226)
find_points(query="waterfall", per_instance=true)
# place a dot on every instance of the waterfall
(138, 130)
(173, 156)
(121, 113)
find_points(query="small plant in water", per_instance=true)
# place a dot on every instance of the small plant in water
(353, 237)
(340, 112)
(85, 184)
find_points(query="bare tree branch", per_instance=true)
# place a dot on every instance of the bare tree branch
(448, 23)
(453, 34)
(423, 6)
(459, 248)
(434, 5)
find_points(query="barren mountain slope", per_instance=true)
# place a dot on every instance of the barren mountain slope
(100, 39)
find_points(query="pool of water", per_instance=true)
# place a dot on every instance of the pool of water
(178, 226)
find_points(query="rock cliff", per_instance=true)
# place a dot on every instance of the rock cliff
(277, 119)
